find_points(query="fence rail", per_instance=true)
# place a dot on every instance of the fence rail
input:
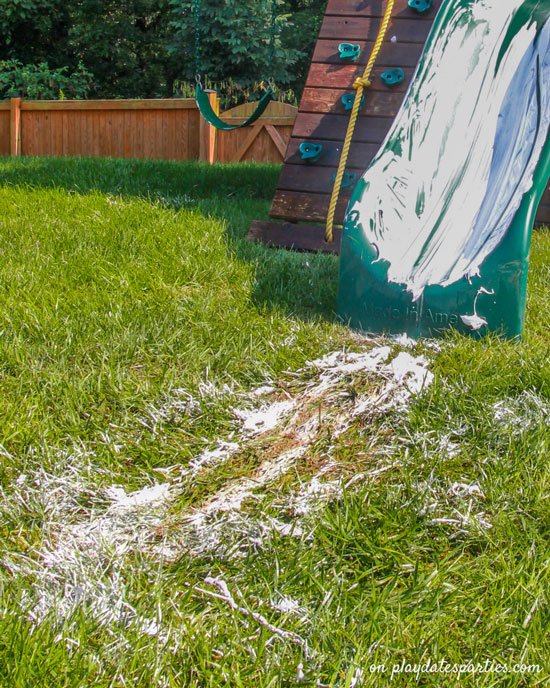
(170, 129)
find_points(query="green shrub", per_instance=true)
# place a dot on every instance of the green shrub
(39, 82)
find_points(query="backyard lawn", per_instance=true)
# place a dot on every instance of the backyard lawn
(209, 481)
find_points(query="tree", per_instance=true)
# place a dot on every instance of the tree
(235, 37)
(124, 44)
(34, 31)
(141, 48)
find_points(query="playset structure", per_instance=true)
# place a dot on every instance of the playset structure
(437, 230)
(300, 204)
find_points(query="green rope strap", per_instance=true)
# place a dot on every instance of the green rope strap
(212, 118)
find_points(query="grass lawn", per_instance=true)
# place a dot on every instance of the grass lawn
(189, 498)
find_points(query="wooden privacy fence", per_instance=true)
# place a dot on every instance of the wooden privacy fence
(170, 129)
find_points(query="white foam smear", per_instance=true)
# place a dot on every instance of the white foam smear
(86, 554)
(257, 421)
(463, 149)
(232, 497)
(336, 365)
(475, 321)
(152, 496)
(84, 563)
(404, 340)
(412, 371)
(212, 457)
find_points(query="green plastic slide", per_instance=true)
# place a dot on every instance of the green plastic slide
(438, 229)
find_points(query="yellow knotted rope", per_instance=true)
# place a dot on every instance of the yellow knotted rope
(359, 84)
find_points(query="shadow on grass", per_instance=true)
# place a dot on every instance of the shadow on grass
(300, 284)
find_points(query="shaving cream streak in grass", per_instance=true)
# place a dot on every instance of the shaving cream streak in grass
(450, 176)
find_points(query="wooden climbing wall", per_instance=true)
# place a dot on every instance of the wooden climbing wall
(304, 189)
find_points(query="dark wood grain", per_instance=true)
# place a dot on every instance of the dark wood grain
(320, 127)
(391, 55)
(355, 28)
(328, 100)
(360, 154)
(299, 206)
(313, 179)
(343, 76)
(299, 238)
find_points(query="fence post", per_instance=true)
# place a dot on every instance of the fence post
(207, 150)
(15, 126)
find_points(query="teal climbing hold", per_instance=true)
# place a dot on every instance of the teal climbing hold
(349, 51)
(348, 179)
(420, 5)
(348, 100)
(310, 151)
(391, 77)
